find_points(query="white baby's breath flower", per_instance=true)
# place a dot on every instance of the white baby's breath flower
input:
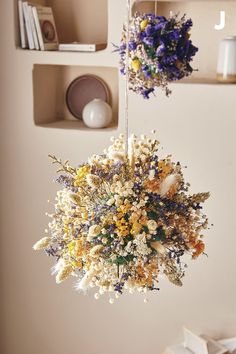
(94, 230)
(129, 184)
(84, 283)
(151, 174)
(142, 157)
(110, 202)
(116, 155)
(152, 225)
(104, 240)
(93, 181)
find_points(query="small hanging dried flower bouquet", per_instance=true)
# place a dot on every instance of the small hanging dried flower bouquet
(160, 51)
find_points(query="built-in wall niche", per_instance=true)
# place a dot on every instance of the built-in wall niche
(50, 84)
(84, 21)
(205, 15)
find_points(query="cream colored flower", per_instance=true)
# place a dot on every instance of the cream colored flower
(84, 283)
(94, 230)
(110, 202)
(152, 225)
(129, 184)
(116, 155)
(158, 247)
(93, 181)
(151, 174)
(169, 182)
(41, 244)
(95, 250)
(64, 273)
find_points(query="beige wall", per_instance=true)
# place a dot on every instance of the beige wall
(197, 124)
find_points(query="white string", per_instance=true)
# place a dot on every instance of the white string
(127, 77)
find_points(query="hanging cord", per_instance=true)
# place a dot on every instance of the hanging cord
(127, 78)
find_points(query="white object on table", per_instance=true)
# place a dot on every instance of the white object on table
(226, 67)
(97, 114)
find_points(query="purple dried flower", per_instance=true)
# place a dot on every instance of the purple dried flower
(147, 92)
(149, 41)
(147, 72)
(160, 50)
(159, 26)
(150, 30)
(132, 45)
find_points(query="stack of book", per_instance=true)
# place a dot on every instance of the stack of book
(194, 344)
(37, 27)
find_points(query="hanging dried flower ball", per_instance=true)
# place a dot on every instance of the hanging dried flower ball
(121, 222)
(160, 52)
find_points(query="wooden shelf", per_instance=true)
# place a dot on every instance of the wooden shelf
(50, 83)
(203, 81)
(104, 58)
(76, 20)
(205, 14)
(75, 125)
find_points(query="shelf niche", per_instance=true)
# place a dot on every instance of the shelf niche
(50, 83)
(205, 15)
(76, 20)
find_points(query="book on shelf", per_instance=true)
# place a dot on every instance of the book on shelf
(37, 26)
(23, 35)
(47, 27)
(81, 47)
(28, 25)
(33, 27)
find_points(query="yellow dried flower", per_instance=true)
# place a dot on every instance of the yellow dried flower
(143, 24)
(81, 174)
(165, 168)
(136, 228)
(136, 64)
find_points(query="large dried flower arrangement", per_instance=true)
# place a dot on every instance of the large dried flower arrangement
(122, 221)
(160, 51)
